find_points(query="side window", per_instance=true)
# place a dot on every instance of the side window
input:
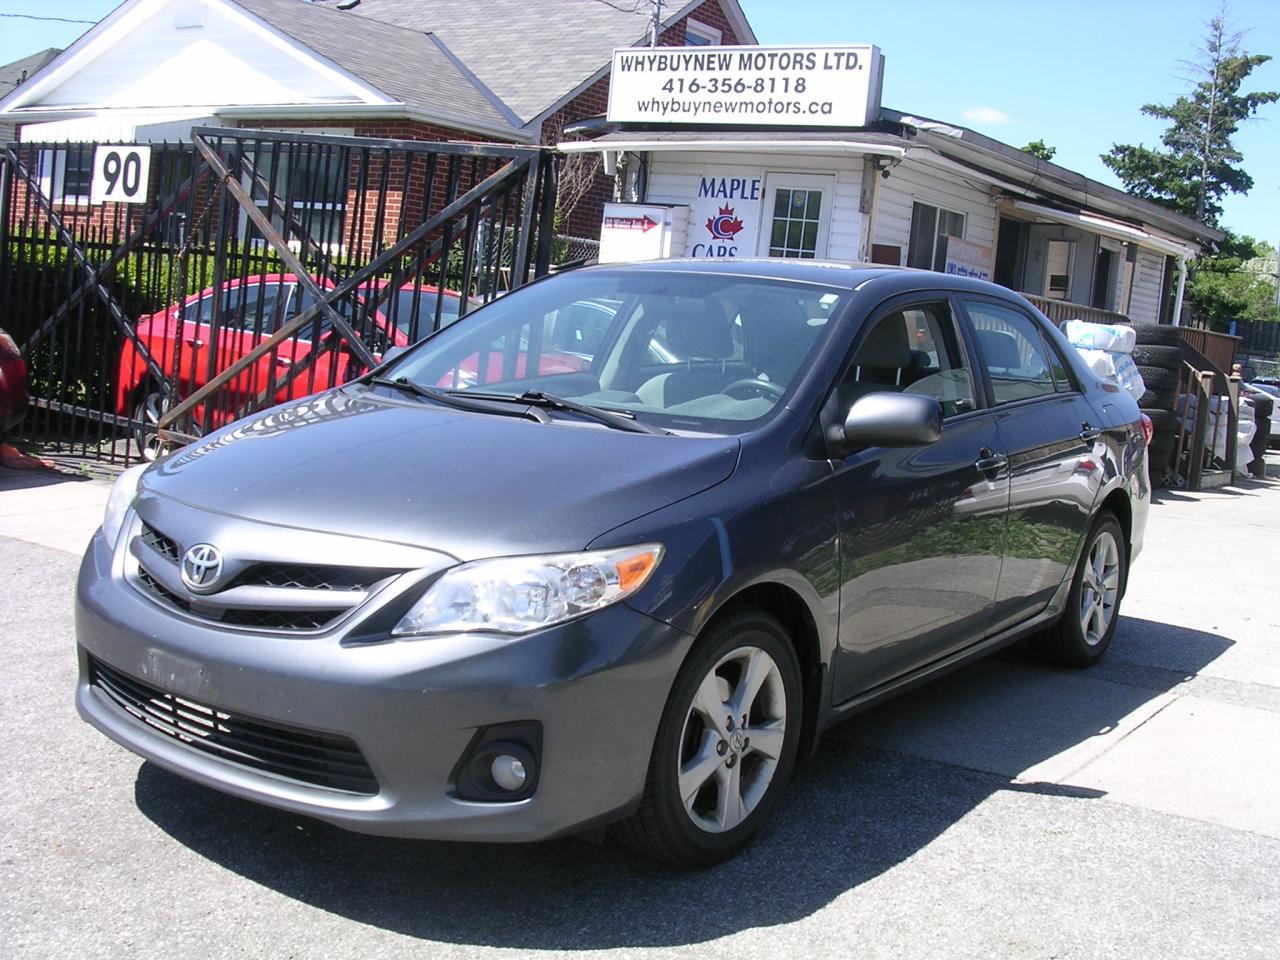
(913, 350)
(1058, 367)
(1012, 350)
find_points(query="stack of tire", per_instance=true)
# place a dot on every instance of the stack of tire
(1159, 360)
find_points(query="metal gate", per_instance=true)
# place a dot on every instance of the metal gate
(262, 267)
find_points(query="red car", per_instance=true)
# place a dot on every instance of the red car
(13, 384)
(264, 303)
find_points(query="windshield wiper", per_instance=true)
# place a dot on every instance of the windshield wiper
(539, 398)
(454, 398)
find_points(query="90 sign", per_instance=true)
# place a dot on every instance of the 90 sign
(120, 174)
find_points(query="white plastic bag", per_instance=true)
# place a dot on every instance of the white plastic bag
(1114, 338)
(1119, 368)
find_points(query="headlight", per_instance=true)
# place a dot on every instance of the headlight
(517, 595)
(119, 501)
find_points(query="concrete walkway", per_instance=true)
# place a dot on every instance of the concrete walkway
(55, 510)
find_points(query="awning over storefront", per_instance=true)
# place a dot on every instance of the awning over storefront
(135, 128)
(834, 143)
(1107, 227)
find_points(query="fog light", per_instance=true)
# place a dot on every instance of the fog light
(508, 772)
(500, 764)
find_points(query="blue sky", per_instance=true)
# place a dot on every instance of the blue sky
(1074, 74)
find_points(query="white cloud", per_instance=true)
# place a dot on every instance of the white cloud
(986, 115)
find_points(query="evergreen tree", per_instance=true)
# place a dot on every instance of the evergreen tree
(1198, 165)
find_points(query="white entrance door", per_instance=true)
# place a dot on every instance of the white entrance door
(796, 216)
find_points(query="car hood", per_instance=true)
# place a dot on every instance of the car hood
(468, 484)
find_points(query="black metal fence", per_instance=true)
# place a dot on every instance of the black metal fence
(249, 269)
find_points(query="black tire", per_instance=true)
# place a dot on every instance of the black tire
(662, 827)
(1158, 378)
(1158, 457)
(1160, 400)
(1155, 355)
(1065, 643)
(1157, 334)
(1164, 422)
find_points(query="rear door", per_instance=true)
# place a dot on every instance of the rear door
(1049, 433)
(921, 528)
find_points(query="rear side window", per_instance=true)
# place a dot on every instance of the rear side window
(1013, 352)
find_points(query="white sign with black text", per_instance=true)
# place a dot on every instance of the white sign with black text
(761, 86)
(120, 173)
(967, 259)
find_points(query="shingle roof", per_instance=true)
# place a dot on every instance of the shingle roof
(13, 74)
(530, 53)
(406, 64)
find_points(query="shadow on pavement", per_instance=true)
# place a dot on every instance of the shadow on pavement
(851, 813)
(26, 479)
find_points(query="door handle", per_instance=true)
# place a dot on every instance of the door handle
(1089, 433)
(283, 362)
(193, 342)
(988, 460)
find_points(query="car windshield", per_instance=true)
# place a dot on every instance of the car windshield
(679, 350)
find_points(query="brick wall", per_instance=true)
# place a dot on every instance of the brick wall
(371, 215)
(584, 219)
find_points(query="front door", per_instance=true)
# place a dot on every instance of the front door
(796, 215)
(921, 528)
(1048, 431)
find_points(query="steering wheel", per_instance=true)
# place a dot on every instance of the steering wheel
(753, 387)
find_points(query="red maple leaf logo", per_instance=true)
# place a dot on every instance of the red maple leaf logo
(724, 226)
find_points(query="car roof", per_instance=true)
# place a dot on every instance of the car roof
(886, 280)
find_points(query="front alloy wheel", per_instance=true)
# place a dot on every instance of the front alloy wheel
(725, 745)
(732, 739)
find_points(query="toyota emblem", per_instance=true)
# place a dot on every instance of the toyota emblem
(201, 567)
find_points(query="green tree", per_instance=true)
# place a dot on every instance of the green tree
(1197, 165)
(1038, 148)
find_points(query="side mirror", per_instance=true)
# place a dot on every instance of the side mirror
(885, 419)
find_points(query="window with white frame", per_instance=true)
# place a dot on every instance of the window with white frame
(67, 174)
(698, 34)
(930, 227)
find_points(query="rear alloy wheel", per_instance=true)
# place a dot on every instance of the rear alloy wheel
(1082, 635)
(147, 410)
(725, 746)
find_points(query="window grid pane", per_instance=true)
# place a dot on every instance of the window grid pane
(797, 214)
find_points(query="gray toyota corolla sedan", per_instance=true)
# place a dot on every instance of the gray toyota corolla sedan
(613, 550)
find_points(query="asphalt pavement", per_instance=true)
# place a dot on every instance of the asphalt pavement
(1009, 810)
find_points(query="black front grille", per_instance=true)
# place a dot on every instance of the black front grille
(163, 545)
(309, 577)
(281, 619)
(160, 590)
(318, 759)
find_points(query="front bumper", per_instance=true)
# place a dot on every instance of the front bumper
(597, 685)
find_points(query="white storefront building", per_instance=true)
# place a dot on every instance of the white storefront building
(786, 151)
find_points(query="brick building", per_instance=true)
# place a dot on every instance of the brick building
(504, 71)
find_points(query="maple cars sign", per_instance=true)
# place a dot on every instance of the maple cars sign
(724, 217)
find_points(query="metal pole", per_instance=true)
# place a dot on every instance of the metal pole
(656, 25)
(1182, 286)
